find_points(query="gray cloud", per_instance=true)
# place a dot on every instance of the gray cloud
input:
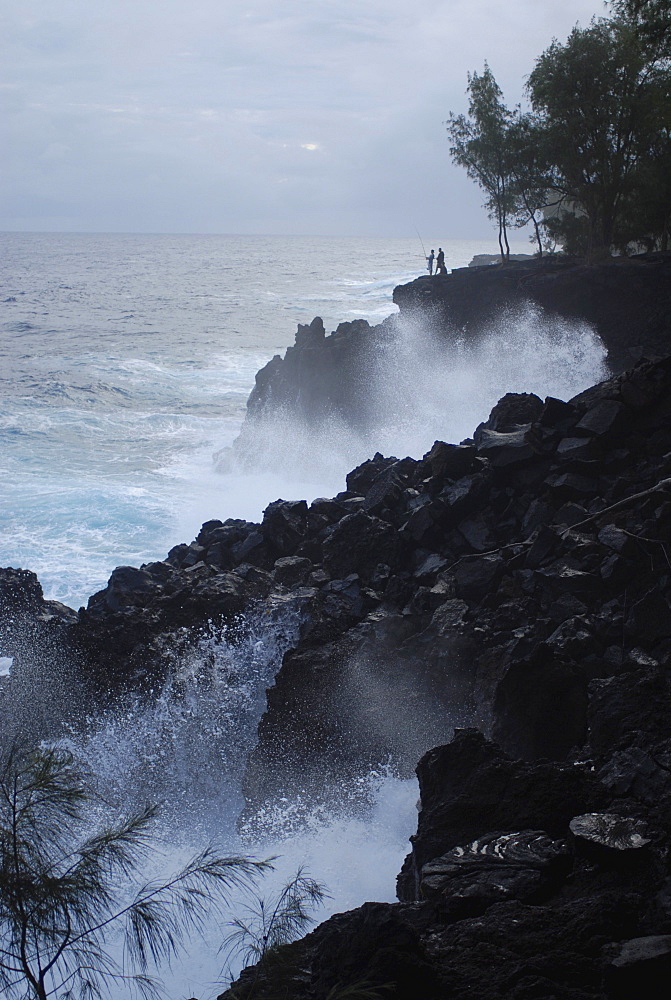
(277, 116)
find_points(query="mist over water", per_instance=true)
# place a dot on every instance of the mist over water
(428, 393)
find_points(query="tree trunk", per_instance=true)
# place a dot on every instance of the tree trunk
(501, 250)
(607, 230)
(538, 235)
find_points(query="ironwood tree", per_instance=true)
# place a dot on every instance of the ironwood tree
(479, 142)
(66, 894)
(600, 103)
(589, 165)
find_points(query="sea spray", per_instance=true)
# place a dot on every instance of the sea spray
(119, 383)
(357, 857)
(416, 385)
(132, 397)
(186, 747)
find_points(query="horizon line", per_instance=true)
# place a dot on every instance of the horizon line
(326, 236)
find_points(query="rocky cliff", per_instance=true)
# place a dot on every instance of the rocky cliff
(517, 588)
(520, 584)
(626, 299)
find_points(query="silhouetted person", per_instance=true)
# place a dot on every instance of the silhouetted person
(440, 262)
(430, 260)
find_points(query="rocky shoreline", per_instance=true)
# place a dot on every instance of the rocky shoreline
(515, 587)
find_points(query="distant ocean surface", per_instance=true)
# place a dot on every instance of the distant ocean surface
(126, 362)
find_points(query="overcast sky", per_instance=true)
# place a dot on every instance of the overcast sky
(254, 116)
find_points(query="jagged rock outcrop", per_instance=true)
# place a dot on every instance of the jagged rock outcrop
(327, 378)
(520, 583)
(528, 591)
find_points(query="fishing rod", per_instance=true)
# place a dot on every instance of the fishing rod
(422, 242)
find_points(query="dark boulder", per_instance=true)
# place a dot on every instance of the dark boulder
(291, 570)
(513, 410)
(131, 586)
(461, 787)
(449, 461)
(526, 865)
(19, 588)
(505, 449)
(362, 478)
(358, 544)
(475, 575)
(284, 525)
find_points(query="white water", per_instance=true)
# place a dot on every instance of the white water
(125, 364)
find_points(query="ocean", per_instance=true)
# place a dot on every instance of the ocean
(126, 363)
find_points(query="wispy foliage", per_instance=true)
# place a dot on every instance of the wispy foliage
(479, 143)
(268, 922)
(63, 893)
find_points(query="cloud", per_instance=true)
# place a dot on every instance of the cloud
(163, 114)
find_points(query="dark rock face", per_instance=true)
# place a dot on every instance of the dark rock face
(460, 788)
(494, 868)
(626, 299)
(560, 911)
(374, 946)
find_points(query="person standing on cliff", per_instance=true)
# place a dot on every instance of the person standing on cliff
(430, 260)
(440, 262)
